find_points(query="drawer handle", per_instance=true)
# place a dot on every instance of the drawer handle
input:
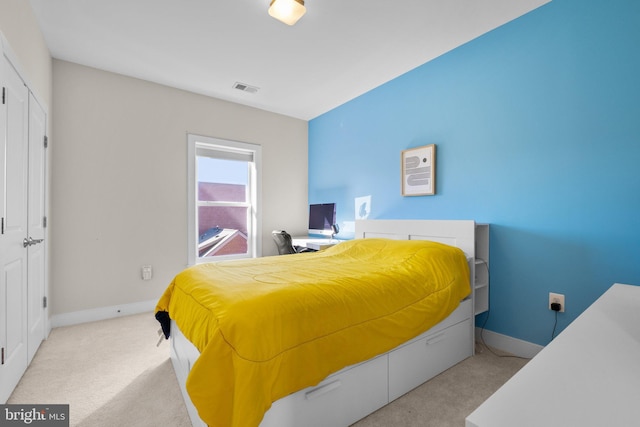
(436, 338)
(322, 390)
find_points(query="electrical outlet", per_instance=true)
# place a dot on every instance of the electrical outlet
(147, 272)
(559, 298)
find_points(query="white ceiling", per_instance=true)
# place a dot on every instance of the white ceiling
(340, 49)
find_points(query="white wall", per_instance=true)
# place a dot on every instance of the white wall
(118, 171)
(19, 26)
(120, 179)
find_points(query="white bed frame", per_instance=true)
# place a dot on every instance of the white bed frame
(356, 391)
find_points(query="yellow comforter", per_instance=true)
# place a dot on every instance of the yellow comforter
(270, 326)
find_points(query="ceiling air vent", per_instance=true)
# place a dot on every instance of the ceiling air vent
(245, 87)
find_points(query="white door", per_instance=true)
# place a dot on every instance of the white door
(13, 255)
(36, 227)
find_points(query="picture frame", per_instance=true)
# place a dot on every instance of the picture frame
(418, 170)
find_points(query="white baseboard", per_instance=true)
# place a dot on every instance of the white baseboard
(101, 313)
(509, 344)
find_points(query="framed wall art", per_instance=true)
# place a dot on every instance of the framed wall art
(418, 168)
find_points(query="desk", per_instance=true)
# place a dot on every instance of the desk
(588, 376)
(316, 243)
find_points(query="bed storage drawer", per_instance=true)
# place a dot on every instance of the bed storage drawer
(351, 394)
(459, 314)
(422, 359)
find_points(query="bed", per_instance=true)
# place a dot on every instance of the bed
(323, 339)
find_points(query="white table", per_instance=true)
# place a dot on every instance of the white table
(589, 375)
(316, 243)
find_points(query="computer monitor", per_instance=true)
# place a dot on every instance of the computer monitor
(322, 217)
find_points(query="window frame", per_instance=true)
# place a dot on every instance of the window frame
(254, 233)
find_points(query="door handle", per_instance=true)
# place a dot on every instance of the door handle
(31, 241)
(35, 241)
(323, 389)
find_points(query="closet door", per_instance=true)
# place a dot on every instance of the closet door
(36, 312)
(13, 253)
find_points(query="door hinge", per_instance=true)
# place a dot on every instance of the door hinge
(44, 302)
(44, 222)
(46, 141)
(2, 226)
(3, 93)
(2, 363)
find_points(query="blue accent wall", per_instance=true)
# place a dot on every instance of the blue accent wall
(537, 129)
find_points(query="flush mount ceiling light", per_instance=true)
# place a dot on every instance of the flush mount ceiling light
(287, 11)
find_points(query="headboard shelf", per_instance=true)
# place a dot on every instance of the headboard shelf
(472, 238)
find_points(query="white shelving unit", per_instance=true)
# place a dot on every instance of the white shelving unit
(481, 269)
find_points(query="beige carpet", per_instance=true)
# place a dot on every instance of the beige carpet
(112, 374)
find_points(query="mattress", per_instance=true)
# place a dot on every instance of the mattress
(270, 326)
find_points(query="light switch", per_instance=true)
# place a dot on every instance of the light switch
(147, 272)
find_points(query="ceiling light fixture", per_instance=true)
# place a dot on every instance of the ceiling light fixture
(287, 11)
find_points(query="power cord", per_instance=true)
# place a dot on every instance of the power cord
(489, 348)
(555, 307)
(486, 265)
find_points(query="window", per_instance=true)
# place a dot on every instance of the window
(223, 199)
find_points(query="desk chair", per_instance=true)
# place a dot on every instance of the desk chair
(285, 245)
